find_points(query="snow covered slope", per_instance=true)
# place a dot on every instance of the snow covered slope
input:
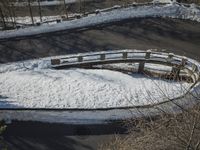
(46, 3)
(163, 1)
(32, 84)
(172, 10)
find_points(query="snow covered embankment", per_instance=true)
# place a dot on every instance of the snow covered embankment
(32, 84)
(172, 10)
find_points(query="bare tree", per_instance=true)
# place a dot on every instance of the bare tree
(2, 18)
(10, 14)
(65, 7)
(30, 10)
(6, 13)
(80, 7)
(40, 11)
(13, 14)
(84, 6)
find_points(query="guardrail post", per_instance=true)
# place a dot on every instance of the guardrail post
(102, 57)
(58, 20)
(80, 58)
(177, 69)
(183, 61)
(170, 57)
(142, 64)
(55, 61)
(125, 54)
(175, 72)
(194, 67)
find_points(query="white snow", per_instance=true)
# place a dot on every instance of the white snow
(46, 3)
(60, 2)
(26, 20)
(33, 84)
(172, 10)
(132, 66)
(163, 1)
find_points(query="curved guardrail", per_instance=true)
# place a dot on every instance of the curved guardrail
(87, 60)
(179, 64)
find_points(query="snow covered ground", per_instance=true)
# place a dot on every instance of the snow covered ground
(27, 19)
(163, 1)
(46, 3)
(172, 10)
(59, 2)
(33, 84)
(49, 19)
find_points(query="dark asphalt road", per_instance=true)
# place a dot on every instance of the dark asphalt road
(44, 136)
(178, 36)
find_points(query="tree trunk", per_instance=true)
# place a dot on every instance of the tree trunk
(30, 10)
(40, 12)
(10, 13)
(3, 18)
(83, 6)
(13, 14)
(80, 6)
(66, 12)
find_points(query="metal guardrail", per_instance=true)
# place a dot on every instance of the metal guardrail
(87, 60)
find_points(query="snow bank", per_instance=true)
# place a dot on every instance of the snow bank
(164, 1)
(172, 10)
(46, 3)
(27, 19)
(32, 84)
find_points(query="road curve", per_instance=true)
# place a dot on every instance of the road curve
(177, 36)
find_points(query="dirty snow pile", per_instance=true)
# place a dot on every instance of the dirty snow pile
(33, 84)
(172, 10)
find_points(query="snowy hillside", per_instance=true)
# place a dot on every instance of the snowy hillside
(172, 10)
(33, 84)
(59, 2)
(163, 1)
(46, 3)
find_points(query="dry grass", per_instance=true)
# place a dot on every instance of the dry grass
(175, 131)
(168, 132)
(2, 129)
